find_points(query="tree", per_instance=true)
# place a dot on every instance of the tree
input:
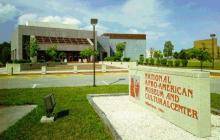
(86, 53)
(176, 55)
(184, 54)
(168, 49)
(120, 47)
(5, 52)
(62, 55)
(34, 47)
(157, 54)
(52, 52)
(202, 55)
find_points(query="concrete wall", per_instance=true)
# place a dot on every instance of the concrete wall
(15, 49)
(179, 96)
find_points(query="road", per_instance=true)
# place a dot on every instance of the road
(61, 80)
(69, 80)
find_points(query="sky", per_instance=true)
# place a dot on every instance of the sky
(180, 21)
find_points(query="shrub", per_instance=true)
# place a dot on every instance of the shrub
(141, 59)
(109, 58)
(164, 62)
(126, 59)
(170, 63)
(146, 61)
(158, 62)
(184, 62)
(151, 61)
(177, 62)
(52, 52)
(1, 64)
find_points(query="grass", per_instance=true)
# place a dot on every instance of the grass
(206, 65)
(215, 100)
(81, 123)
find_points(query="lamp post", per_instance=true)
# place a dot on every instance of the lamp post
(213, 57)
(94, 22)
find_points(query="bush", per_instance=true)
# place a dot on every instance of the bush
(126, 59)
(146, 61)
(170, 63)
(151, 61)
(109, 58)
(184, 62)
(158, 62)
(1, 64)
(141, 59)
(177, 62)
(164, 62)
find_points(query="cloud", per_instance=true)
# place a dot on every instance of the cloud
(133, 31)
(26, 17)
(55, 19)
(142, 14)
(153, 35)
(58, 19)
(7, 12)
(99, 28)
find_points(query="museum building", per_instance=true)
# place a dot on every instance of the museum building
(72, 40)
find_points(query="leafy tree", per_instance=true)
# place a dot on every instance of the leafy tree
(141, 59)
(202, 55)
(52, 52)
(5, 52)
(34, 47)
(184, 54)
(120, 47)
(62, 55)
(87, 53)
(168, 49)
(157, 54)
(176, 55)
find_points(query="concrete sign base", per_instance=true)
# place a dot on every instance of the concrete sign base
(180, 96)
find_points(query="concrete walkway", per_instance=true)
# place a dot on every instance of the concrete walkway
(9, 115)
(134, 122)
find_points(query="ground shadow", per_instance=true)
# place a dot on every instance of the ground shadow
(61, 114)
(120, 79)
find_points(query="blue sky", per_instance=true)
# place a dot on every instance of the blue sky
(181, 21)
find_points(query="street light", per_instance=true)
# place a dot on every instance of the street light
(94, 22)
(213, 57)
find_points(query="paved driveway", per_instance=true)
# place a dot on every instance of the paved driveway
(61, 80)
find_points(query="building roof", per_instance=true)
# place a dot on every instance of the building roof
(125, 36)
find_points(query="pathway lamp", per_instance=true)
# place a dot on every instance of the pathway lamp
(213, 56)
(94, 21)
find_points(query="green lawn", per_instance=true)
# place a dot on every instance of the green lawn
(207, 65)
(81, 123)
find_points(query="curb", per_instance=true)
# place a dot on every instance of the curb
(51, 73)
(102, 114)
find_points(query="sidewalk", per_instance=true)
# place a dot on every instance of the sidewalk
(11, 114)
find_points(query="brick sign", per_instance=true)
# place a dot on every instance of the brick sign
(180, 96)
